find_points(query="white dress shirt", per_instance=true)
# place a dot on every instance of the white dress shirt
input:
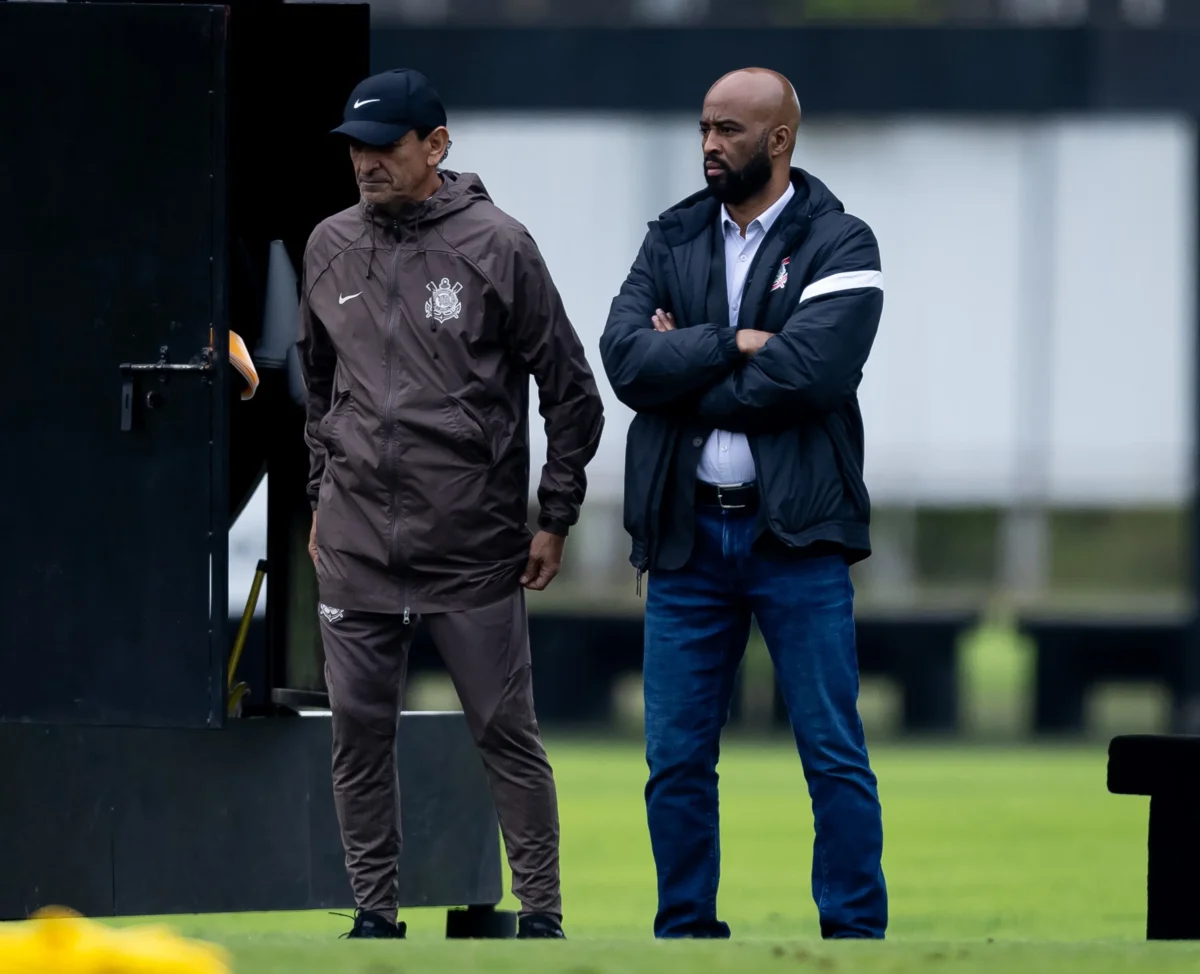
(726, 459)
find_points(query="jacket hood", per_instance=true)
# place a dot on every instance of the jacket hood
(689, 217)
(457, 192)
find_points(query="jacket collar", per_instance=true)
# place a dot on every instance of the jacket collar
(765, 220)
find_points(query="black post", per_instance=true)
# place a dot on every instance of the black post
(1186, 718)
(1174, 847)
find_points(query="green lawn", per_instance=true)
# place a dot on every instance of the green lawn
(998, 860)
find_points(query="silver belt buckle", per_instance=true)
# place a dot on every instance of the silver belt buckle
(721, 497)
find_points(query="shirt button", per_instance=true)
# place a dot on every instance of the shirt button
(743, 257)
(697, 442)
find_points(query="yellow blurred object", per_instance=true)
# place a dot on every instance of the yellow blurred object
(239, 357)
(59, 941)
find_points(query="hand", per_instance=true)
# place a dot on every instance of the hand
(750, 341)
(312, 540)
(663, 320)
(545, 559)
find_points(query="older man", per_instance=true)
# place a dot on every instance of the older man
(425, 309)
(739, 338)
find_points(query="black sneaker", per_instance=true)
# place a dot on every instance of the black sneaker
(375, 926)
(539, 926)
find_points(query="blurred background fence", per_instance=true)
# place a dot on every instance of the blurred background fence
(1030, 168)
(782, 13)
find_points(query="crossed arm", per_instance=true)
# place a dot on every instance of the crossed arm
(813, 363)
(653, 369)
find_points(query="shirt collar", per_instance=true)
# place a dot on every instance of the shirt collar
(764, 219)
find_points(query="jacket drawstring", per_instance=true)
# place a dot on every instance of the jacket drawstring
(417, 230)
(371, 259)
(421, 245)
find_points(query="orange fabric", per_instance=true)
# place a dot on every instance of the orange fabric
(239, 357)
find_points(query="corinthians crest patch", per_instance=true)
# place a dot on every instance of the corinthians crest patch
(781, 277)
(443, 304)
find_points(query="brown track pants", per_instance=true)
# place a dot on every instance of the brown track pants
(486, 652)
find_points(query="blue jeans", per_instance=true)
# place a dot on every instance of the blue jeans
(697, 626)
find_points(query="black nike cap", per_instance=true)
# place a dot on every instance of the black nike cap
(385, 107)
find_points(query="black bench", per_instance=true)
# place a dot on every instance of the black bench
(1074, 654)
(1167, 769)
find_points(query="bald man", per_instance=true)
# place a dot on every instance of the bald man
(739, 338)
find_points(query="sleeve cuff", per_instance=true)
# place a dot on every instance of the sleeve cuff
(553, 526)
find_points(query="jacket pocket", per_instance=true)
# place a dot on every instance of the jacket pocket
(330, 427)
(648, 448)
(467, 430)
(848, 451)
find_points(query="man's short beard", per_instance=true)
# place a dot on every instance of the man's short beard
(735, 186)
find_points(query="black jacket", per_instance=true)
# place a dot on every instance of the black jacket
(816, 282)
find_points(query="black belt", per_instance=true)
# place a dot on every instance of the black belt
(741, 497)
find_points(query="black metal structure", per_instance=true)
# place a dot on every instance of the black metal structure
(156, 153)
(121, 821)
(1167, 769)
(114, 260)
(127, 265)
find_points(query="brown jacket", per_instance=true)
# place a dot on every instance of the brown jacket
(417, 339)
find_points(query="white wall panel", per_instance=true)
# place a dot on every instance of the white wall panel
(1122, 360)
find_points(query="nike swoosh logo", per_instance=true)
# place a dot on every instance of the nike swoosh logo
(348, 297)
(365, 101)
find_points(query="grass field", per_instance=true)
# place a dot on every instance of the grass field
(997, 859)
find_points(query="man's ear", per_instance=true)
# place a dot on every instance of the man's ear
(781, 140)
(438, 140)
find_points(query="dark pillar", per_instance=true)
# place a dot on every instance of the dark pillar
(1186, 717)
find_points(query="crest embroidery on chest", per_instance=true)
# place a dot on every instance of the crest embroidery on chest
(443, 304)
(781, 277)
(330, 614)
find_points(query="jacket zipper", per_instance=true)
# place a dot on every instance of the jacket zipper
(789, 248)
(389, 425)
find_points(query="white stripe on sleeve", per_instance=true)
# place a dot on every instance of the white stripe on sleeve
(846, 281)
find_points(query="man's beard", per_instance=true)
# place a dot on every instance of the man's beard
(735, 186)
